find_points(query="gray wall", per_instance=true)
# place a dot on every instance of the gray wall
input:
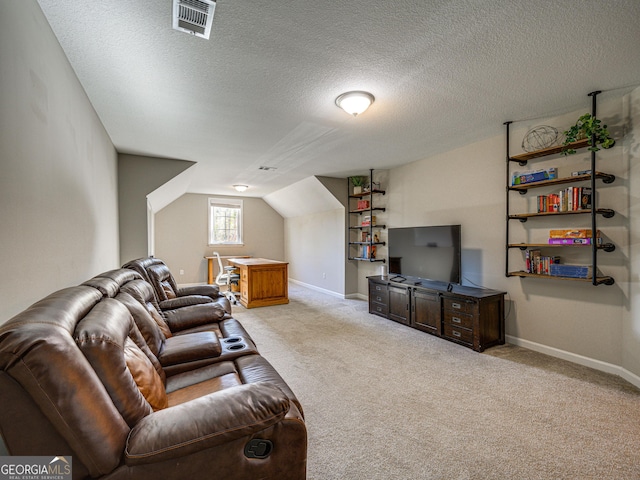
(590, 325)
(631, 307)
(315, 245)
(58, 203)
(137, 177)
(181, 235)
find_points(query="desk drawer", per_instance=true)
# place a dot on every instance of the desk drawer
(456, 319)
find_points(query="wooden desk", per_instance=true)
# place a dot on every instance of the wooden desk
(262, 282)
(211, 275)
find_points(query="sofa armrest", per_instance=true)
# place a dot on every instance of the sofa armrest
(212, 291)
(180, 302)
(189, 348)
(194, 316)
(205, 422)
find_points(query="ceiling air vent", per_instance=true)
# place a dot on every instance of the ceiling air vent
(194, 16)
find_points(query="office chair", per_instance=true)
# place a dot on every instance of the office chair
(227, 276)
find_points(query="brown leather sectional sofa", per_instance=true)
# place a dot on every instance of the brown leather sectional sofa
(99, 373)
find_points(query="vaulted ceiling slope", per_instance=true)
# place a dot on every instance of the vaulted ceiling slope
(261, 91)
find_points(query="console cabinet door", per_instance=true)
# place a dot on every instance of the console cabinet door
(399, 304)
(426, 312)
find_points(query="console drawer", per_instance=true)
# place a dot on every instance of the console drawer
(456, 319)
(457, 333)
(377, 297)
(379, 309)
(459, 305)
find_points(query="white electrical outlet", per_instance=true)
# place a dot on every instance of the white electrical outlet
(181, 272)
(324, 275)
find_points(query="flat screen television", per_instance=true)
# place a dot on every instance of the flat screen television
(429, 252)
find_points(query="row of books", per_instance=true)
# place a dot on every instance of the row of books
(550, 265)
(538, 263)
(368, 251)
(567, 200)
(368, 220)
(366, 237)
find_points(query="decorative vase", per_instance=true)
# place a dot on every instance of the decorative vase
(357, 190)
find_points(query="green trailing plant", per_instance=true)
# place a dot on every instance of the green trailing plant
(586, 127)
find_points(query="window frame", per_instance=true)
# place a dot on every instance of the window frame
(227, 203)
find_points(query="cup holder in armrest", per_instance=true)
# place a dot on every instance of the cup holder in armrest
(236, 346)
(232, 340)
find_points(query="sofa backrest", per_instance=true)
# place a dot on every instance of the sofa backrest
(44, 370)
(109, 282)
(115, 348)
(162, 281)
(143, 292)
(149, 328)
(140, 265)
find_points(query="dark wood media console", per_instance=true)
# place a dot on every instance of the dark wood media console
(470, 316)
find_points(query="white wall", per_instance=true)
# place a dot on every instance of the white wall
(181, 235)
(58, 185)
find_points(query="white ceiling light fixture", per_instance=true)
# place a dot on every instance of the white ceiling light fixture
(194, 16)
(241, 188)
(354, 103)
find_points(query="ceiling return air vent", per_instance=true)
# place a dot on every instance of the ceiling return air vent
(194, 16)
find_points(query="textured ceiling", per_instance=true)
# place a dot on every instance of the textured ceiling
(261, 91)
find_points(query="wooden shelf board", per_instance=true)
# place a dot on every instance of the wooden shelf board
(366, 194)
(545, 152)
(558, 181)
(600, 280)
(552, 245)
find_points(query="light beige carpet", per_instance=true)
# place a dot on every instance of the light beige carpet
(384, 401)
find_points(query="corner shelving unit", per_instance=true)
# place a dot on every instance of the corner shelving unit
(359, 244)
(594, 212)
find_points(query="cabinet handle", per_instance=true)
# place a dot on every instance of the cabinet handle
(378, 287)
(455, 334)
(379, 299)
(456, 320)
(455, 305)
(379, 309)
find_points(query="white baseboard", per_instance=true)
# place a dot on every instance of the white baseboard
(575, 358)
(318, 289)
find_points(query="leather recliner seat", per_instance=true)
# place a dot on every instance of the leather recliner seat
(77, 378)
(168, 295)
